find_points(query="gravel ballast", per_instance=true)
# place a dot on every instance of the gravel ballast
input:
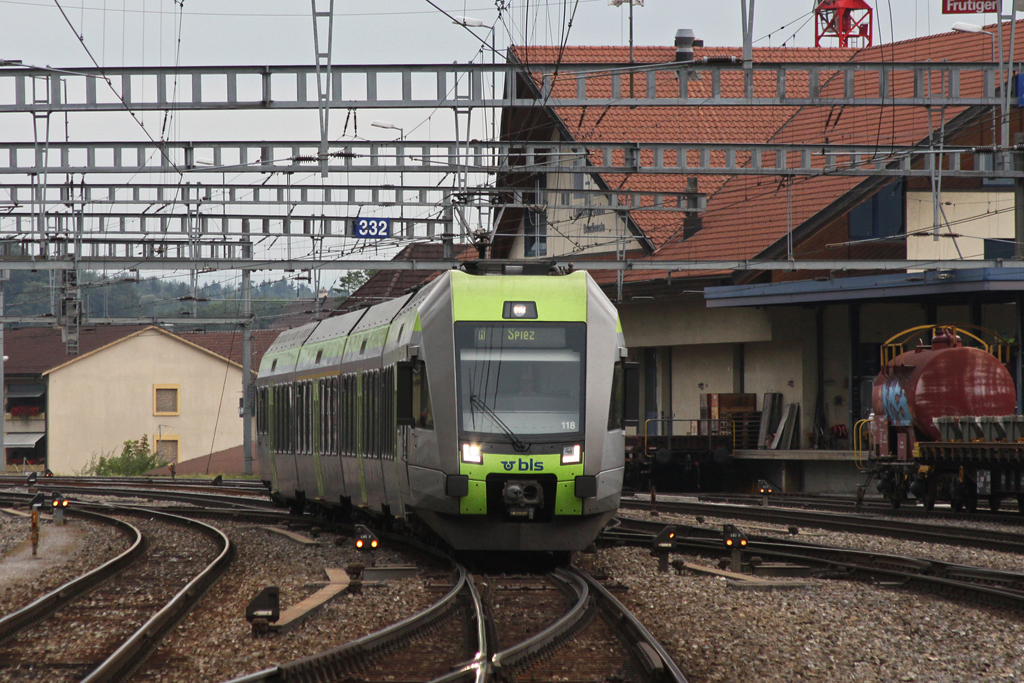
(215, 642)
(832, 631)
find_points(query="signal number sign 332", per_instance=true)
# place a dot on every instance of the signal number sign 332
(372, 228)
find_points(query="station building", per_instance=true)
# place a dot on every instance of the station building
(812, 337)
(179, 390)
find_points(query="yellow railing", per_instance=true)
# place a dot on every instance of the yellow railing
(696, 422)
(893, 347)
(861, 442)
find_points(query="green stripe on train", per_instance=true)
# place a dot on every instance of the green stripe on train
(560, 298)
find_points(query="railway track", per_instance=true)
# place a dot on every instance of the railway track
(512, 628)
(1000, 588)
(1004, 541)
(211, 496)
(838, 503)
(94, 629)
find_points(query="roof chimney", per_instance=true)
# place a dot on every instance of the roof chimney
(684, 45)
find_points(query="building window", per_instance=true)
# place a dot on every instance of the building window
(880, 216)
(167, 448)
(165, 399)
(999, 249)
(535, 234)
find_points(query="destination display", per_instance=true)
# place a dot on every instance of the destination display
(517, 336)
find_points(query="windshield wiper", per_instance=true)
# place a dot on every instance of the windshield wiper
(517, 443)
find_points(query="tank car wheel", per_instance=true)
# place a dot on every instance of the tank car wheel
(993, 504)
(928, 503)
(956, 505)
(894, 503)
(971, 504)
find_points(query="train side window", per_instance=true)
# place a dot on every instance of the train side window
(615, 404)
(421, 397)
(336, 419)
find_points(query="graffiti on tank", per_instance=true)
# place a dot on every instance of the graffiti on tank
(894, 402)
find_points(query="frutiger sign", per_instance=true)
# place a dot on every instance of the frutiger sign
(969, 6)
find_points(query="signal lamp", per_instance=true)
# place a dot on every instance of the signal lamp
(733, 537)
(666, 539)
(572, 455)
(471, 454)
(764, 487)
(365, 538)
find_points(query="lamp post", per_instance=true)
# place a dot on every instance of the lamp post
(962, 27)
(387, 125)
(470, 22)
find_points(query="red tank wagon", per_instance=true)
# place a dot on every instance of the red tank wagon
(943, 423)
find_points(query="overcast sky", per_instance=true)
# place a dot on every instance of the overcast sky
(143, 32)
(246, 32)
(256, 32)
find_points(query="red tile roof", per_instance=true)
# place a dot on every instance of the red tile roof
(33, 351)
(748, 214)
(385, 285)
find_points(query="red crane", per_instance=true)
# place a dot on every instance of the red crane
(847, 20)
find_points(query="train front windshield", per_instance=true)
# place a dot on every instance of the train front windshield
(526, 377)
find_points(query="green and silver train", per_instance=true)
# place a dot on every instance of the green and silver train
(490, 407)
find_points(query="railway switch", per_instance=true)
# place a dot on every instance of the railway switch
(365, 539)
(264, 609)
(735, 541)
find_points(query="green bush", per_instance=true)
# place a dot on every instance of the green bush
(136, 458)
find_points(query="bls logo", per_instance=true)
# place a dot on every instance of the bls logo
(523, 465)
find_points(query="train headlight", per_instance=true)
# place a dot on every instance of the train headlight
(572, 455)
(471, 454)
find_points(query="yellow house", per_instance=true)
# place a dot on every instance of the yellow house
(180, 391)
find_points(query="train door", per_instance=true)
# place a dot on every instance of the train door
(271, 422)
(373, 428)
(349, 459)
(389, 442)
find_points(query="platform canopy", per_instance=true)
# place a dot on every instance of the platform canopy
(992, 284)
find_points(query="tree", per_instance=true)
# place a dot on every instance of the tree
(136, 458)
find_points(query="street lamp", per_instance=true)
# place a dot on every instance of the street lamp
(962, 27)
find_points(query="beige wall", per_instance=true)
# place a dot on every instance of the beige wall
(665, 323)
(701, 369)
(99, 401)
(970, 214)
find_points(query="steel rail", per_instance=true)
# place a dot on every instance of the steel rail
(517, 654)
(934, 576)
(635, 631)
(141, 643)
(978, 538)
(39, 608)
(209, 499)
(478, 668)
